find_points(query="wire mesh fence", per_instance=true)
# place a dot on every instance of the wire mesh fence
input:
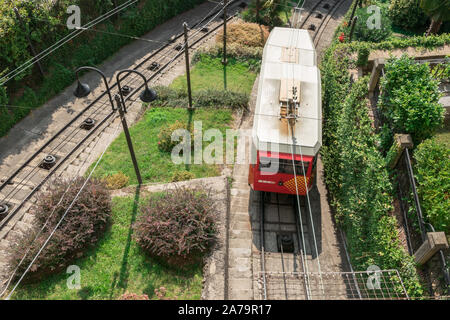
(365, 285)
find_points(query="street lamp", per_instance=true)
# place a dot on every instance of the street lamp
(148, 95)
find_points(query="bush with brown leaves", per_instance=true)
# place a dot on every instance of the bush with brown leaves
(82, 227)
(245, 34)
(177, 225)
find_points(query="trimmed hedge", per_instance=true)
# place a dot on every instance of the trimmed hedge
(356, 176)
(82, 227)
(432, 171)
(168, 97)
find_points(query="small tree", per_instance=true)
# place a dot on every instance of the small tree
(438, 11)
(410, 98)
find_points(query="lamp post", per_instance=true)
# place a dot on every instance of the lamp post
(148, 95)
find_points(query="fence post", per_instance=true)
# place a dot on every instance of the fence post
(401, 142)
(224, 61)
(434, 242)
(188, 72)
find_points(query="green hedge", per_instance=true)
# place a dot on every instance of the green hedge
(432, 171)
(90, 48)
(356, 175)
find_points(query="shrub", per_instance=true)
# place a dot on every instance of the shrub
(82, 227)
(177, 225)
(433, 182)
(168, 97)
(363, 33)
(410, 98)
(269, 12)
(245, 34)
(182, 176)
(116, 181)
(407, 14)
(165, 142)
(363, 56)
(239, 52)
(133, 296)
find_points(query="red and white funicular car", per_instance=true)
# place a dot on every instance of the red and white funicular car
(287, 128)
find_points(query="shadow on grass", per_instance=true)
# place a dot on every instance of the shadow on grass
(121, 278)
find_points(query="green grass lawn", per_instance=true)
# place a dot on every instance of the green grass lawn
(208, 73)
(157, 166)
(116, 265)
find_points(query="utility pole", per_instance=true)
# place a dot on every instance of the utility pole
(225, 61)
(188, 72)
(128, 137)
(33, 51)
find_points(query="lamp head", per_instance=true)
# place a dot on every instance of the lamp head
(82, 90)
(148, 95)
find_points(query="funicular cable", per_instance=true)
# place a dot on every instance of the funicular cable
(291, 125)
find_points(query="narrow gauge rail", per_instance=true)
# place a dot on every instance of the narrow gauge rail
(285, 248)
(318, 17)
(23, 183)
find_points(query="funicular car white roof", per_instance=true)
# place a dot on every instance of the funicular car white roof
(269, 132)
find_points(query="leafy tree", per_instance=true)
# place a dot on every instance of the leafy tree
(438, 11)
(406, 14)
(410, 98)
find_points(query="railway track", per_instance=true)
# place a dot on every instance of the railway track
(19, 190)
(285, 246)
(318, 16)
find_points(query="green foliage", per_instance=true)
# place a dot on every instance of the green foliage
(175, 98)
(407, 14)
(267, 12)
(362, 31)
(116, 181)
(177, 225)
(46, 25)
(410, 98)
(165, 142)
(433, 179)
(363, 57)
(356, 176)
(437, 10)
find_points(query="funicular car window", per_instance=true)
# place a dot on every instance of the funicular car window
(275, 165)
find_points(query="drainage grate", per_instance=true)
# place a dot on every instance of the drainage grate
(178, 47)
(205, 30)
(312, 27)
(88, 124)
(48, 162)
(326, 6)
(319, 16)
